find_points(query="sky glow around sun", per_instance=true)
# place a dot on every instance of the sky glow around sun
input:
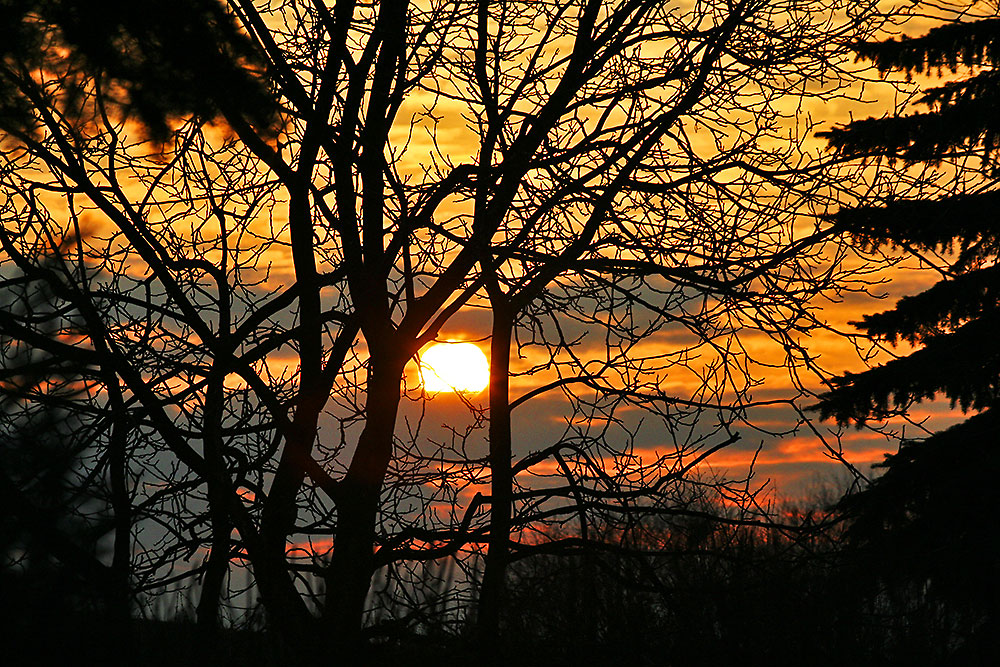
(454, 367)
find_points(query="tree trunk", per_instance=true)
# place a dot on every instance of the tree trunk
(501, 481)
(218, 557)
(349, 575)
(218, 562)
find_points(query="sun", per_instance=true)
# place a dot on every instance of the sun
(454, 367)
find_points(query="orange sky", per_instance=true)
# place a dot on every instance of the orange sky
(794, 465)
(791, 463)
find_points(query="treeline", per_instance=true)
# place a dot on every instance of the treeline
(802, 590)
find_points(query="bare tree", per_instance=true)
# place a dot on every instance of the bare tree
(613, 183)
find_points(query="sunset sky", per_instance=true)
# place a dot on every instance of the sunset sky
(256, 257)
(795, 465)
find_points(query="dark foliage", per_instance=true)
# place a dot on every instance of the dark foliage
(924, 531)
(936, 512)
(948, 46)
(711, 595)
(156, 61)
(963, 364)
(56, 596)
(962, 113)
(706, 594)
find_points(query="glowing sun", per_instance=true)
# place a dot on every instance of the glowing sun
(456, 367)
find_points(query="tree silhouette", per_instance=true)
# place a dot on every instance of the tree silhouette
(155, 62)
(610, 183)
(929, 518)
(51, 570)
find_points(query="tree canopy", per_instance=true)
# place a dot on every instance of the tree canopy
(253, 216)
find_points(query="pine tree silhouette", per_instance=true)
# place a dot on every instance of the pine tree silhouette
(929, 522)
